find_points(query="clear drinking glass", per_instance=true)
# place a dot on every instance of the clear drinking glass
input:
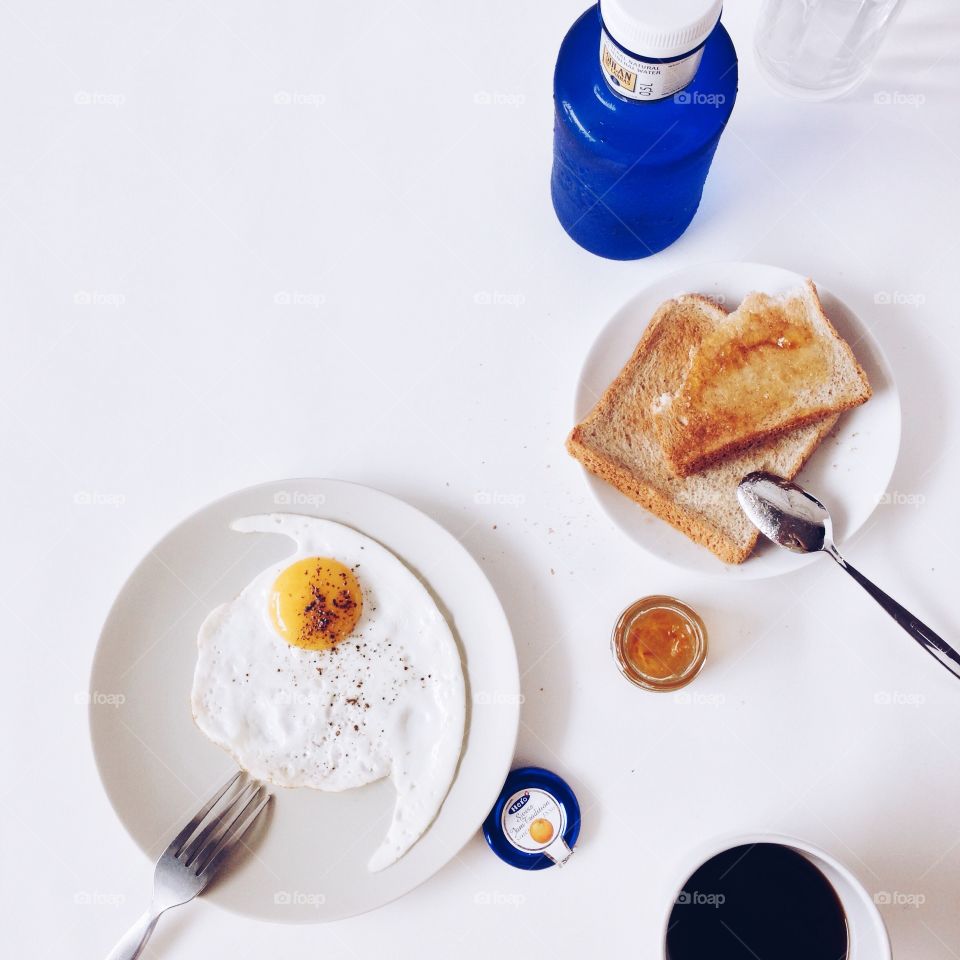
(818, 49)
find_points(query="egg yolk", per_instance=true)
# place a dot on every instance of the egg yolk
(315, 603)
(541, 830)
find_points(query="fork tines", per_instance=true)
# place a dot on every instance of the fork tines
(219, 825)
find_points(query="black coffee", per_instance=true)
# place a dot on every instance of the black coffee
(758, 901)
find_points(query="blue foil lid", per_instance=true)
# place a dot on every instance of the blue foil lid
(535, 822)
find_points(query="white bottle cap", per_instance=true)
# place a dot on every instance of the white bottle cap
(660, 29)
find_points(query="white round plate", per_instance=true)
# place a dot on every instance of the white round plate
(849, 472)
(309, 862)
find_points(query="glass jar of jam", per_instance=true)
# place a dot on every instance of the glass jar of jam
(659, 643)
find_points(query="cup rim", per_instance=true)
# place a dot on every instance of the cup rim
(880, 949)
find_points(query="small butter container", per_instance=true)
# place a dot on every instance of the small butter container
(535, 822)
(659, 643)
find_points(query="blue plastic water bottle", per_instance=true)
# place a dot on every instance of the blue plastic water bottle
(643, 90)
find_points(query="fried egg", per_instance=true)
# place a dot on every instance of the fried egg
(332, 669)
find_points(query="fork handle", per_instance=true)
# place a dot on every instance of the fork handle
(135, 939)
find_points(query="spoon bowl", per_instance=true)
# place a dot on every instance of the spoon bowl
(785, 513)
(792, 518)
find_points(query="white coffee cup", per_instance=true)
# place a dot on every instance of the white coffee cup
(867, 932)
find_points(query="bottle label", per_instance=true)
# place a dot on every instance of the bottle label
(644, 79)
(533, 821)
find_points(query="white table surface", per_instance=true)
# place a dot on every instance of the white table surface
(160, 201)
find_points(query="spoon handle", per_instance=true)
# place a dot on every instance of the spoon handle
(935, 645)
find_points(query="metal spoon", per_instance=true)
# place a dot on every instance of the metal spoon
(792, 518)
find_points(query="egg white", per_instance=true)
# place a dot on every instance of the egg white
(387, 701)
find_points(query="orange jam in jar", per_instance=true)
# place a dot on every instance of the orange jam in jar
(659, 643)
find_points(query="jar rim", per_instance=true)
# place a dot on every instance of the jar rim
(622, 628)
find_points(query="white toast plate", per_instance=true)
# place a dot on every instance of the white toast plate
(309, 863)
(851, 470)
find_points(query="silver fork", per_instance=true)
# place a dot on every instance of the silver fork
(197, 852)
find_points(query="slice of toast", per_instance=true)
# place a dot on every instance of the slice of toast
(616, 441)
(774, 364)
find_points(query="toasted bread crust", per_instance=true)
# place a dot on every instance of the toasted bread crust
(695, 463)
(697, 529)
(695, 439)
